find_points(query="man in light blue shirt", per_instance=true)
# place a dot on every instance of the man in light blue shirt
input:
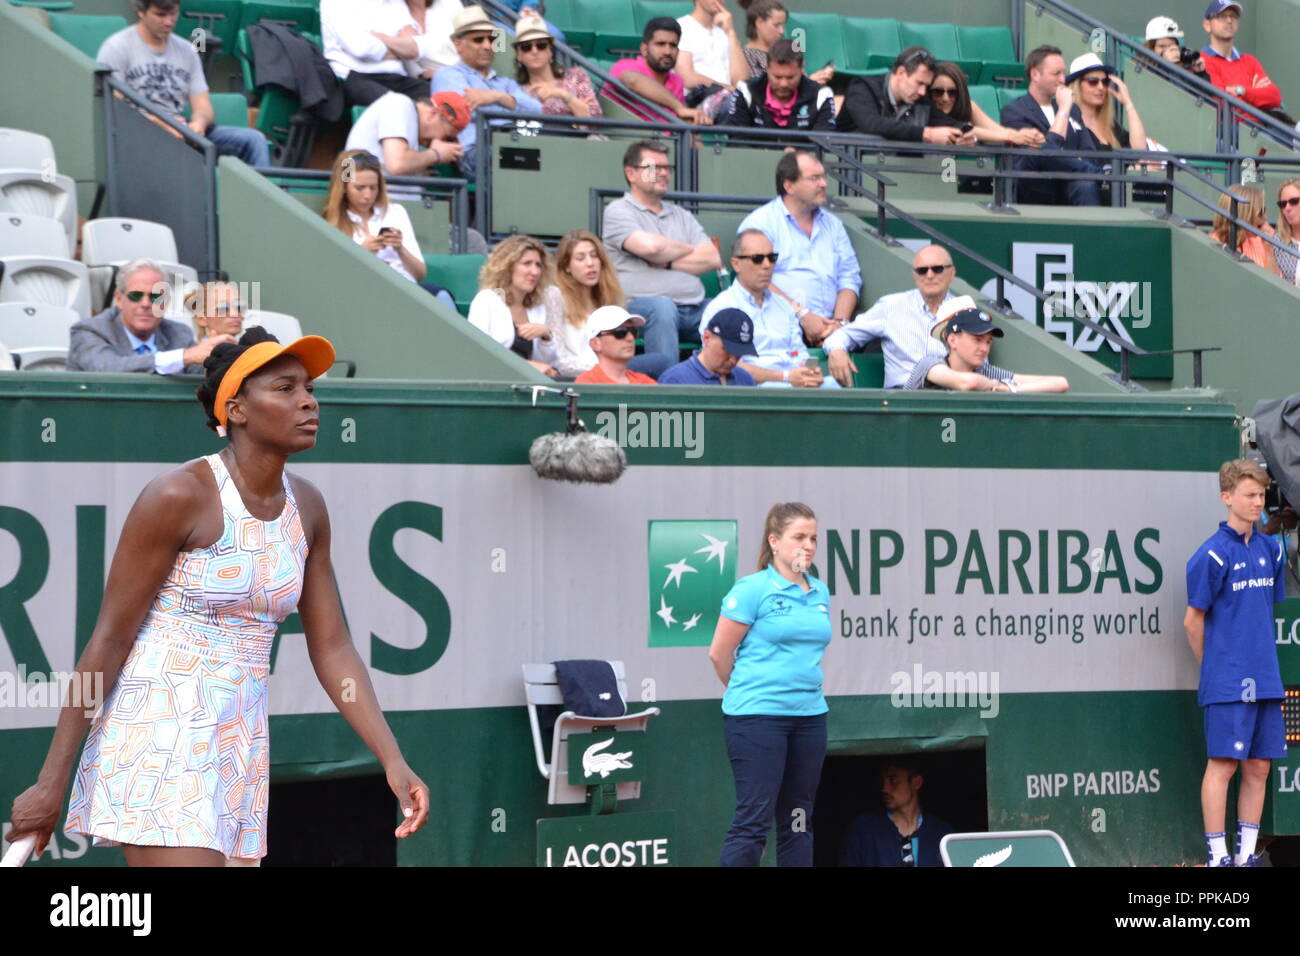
(818, 269)
(902, 320)
(473, 35)
(782, 359)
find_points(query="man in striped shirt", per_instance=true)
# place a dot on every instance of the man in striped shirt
(968, 334)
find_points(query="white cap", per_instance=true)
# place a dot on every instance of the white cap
(609, 317)
(1160, 27)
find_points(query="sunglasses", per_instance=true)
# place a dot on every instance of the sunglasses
(943, 91)
(1095, 80)
(528, 46)
(479, 39)
(620, 333)
(1283, 203)
(137, 296)
(758, 257)
(922, 270)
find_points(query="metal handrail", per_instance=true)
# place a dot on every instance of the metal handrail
(1226, 104)
(457, 189)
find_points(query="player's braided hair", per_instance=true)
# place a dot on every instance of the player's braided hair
(218, 363)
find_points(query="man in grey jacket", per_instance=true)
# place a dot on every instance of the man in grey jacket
(133, 336)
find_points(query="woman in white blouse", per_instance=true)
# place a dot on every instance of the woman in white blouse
(517, 305)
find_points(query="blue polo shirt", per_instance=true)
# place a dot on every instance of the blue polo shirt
(778, 665)
(1236, 583)
(693, 372)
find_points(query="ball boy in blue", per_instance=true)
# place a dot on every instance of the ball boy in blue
(1233, 581)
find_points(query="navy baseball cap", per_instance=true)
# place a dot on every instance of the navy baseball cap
(736, 330)
(1218, 6)
(960, 315)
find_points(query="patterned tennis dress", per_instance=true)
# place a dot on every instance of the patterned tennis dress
(180, 755)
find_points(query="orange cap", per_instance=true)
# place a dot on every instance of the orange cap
(315, 352)
(453, 107)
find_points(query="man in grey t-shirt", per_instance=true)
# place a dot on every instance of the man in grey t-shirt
(968, 333)
(659, 251)
(166, 71)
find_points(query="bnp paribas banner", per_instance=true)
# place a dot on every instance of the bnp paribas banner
(453, 576)
(1117, 276)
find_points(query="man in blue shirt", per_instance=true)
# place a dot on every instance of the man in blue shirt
(473, 35)
(728, 337)
(782, 359)
(818, 270)
(1233, 581)
(900, 836)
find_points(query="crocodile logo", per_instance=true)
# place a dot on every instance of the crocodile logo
(996, 858)
(594, 762)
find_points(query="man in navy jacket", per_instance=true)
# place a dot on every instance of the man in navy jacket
(1049, 107)
(900, 836)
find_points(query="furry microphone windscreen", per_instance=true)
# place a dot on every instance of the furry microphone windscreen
(580, 457)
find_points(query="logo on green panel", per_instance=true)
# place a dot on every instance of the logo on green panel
(692, 566)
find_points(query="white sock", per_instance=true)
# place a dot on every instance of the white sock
(1218, 847)
(1247, 833)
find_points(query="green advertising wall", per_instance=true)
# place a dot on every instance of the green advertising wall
(72, 458)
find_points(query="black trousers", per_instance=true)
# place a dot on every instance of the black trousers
(362, 89)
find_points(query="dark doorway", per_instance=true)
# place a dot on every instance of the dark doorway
(954, 790)
(346, 822)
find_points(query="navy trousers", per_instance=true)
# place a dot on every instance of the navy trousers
(777, 762)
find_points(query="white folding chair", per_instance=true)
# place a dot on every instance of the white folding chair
(541, 688)
(284, 327)
(22, 149)
(36, 334)
(34, 267)
(42, 193)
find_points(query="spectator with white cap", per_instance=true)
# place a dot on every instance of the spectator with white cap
(968, 334)
(474, 36)
(611, 333)
(1163, 38)
(1231, 70)
(728, 337)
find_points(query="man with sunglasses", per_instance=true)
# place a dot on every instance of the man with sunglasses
(611, 332)
(132, 335)
(474, 37)
(782, 359)
(901, 320)
(896, 106)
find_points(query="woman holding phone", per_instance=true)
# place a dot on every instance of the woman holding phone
(767, 651)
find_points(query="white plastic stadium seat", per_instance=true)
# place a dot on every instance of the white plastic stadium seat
(284, 327)
(41, 193)
(110, 243)
(51, 195)
(36, 334)
(35, 269)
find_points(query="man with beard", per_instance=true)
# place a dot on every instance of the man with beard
(651, 75)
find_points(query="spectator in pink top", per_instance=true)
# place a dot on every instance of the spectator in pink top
(651, 74)
(563, 90)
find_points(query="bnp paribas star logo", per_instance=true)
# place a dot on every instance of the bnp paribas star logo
(692, 567)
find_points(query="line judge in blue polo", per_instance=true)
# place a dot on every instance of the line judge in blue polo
(728, 337)
(1233, 581)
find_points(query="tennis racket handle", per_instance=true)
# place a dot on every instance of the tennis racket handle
(19, 851)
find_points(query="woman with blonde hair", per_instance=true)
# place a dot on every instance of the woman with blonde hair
(1288, 229)
(1250, 209)
(1097, 88)
(516, 304)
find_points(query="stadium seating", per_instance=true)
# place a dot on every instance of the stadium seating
(871, 45)
(86, 33)
(36, 334)
(987, 98)
(823, 38)
(34, 264)
(303, 15)
(50, 6)
(220, 19)
(941, 40)
(284, 327)
(458, 275)
(996, 52)
(278, 116)
(107, 244)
